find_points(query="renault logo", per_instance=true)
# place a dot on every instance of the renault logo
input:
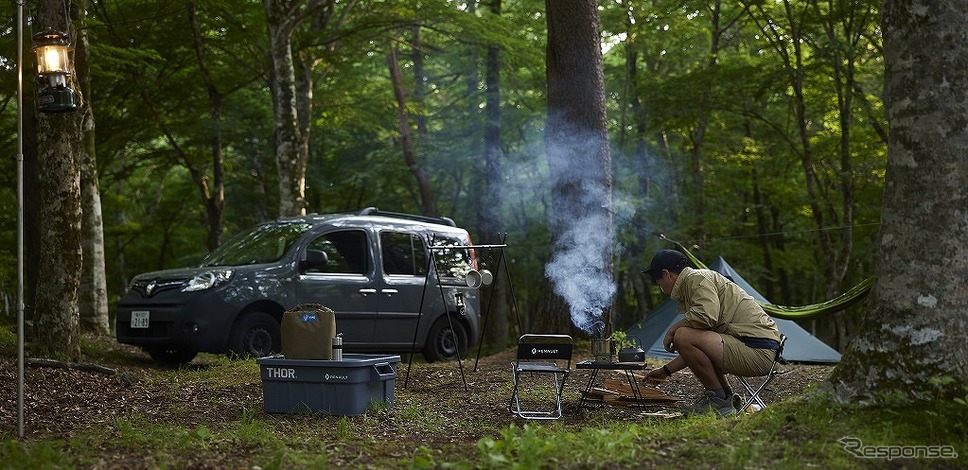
(151, 287)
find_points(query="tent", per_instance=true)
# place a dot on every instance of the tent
(801, 346)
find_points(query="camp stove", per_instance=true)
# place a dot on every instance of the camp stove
(603, 348)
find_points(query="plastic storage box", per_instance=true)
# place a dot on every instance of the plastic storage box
(340, 388)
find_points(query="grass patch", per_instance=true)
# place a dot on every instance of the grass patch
(31, 455)
(420, 417)
(537, 446)
(807, 431)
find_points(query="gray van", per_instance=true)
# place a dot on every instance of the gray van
(370, 267)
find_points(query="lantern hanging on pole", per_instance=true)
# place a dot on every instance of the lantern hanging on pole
(53, 68)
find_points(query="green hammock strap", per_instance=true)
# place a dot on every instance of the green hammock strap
(842, 301)
(836, 304)
(692, 258)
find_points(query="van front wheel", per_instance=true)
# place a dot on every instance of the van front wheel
(444, 343)
(255, 335)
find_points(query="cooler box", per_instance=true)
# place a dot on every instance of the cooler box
(340, 388)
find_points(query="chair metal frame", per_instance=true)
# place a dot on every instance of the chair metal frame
(755, 392)
(541, 354)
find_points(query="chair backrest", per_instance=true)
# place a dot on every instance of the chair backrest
(533, 347)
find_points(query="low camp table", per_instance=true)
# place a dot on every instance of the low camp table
(627, 367)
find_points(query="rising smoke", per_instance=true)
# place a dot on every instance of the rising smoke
(580, 266)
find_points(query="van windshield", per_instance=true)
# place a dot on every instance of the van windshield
(264, 243)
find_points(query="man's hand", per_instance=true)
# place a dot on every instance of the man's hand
(670, 336)
(656, 375)
(668, 342)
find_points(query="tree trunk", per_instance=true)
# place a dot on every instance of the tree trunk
(214, 195)
(576, 143)
(427, 203)
(93, 290)
(290, 162)
(489, 209)
(292, 93)
(641, 166)
(419, 77)
(762, 229)
(56, 328)
(911, 339)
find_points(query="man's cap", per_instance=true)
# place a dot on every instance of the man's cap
(667, 259)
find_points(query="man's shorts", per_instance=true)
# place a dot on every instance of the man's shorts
(740, 359)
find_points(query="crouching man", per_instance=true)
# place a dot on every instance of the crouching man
(725, 331)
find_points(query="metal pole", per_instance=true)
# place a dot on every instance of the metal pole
(20, 218)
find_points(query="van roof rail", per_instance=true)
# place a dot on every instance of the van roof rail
(423, 218)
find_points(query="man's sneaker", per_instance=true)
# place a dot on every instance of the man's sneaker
(701, 405)
(737, 401)
(710, 402)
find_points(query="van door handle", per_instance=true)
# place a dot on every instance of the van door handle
(366, 292)
(389, 291)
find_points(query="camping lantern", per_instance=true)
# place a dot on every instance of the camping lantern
(53, 67)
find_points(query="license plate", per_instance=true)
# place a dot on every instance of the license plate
(139, 319)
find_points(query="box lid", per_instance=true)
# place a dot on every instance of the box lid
(349, 360)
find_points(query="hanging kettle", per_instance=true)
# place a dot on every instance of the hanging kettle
(633, 353)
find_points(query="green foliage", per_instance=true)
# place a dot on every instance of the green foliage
(30, 455)
(949, 386)
(8, 339)
(154, 119)
(622, 340)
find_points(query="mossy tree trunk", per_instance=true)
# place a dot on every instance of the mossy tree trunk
(56, 326)
(911, 342)
(282, 18)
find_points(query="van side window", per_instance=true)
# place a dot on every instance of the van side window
(403, 254)
(347, 252)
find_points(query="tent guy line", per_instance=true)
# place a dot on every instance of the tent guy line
(791, 232)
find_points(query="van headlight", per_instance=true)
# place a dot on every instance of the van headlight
(208, 280)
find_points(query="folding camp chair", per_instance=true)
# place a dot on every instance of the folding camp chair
(755, 393)
(541, 355)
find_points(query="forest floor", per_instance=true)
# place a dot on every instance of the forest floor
(432, 411)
